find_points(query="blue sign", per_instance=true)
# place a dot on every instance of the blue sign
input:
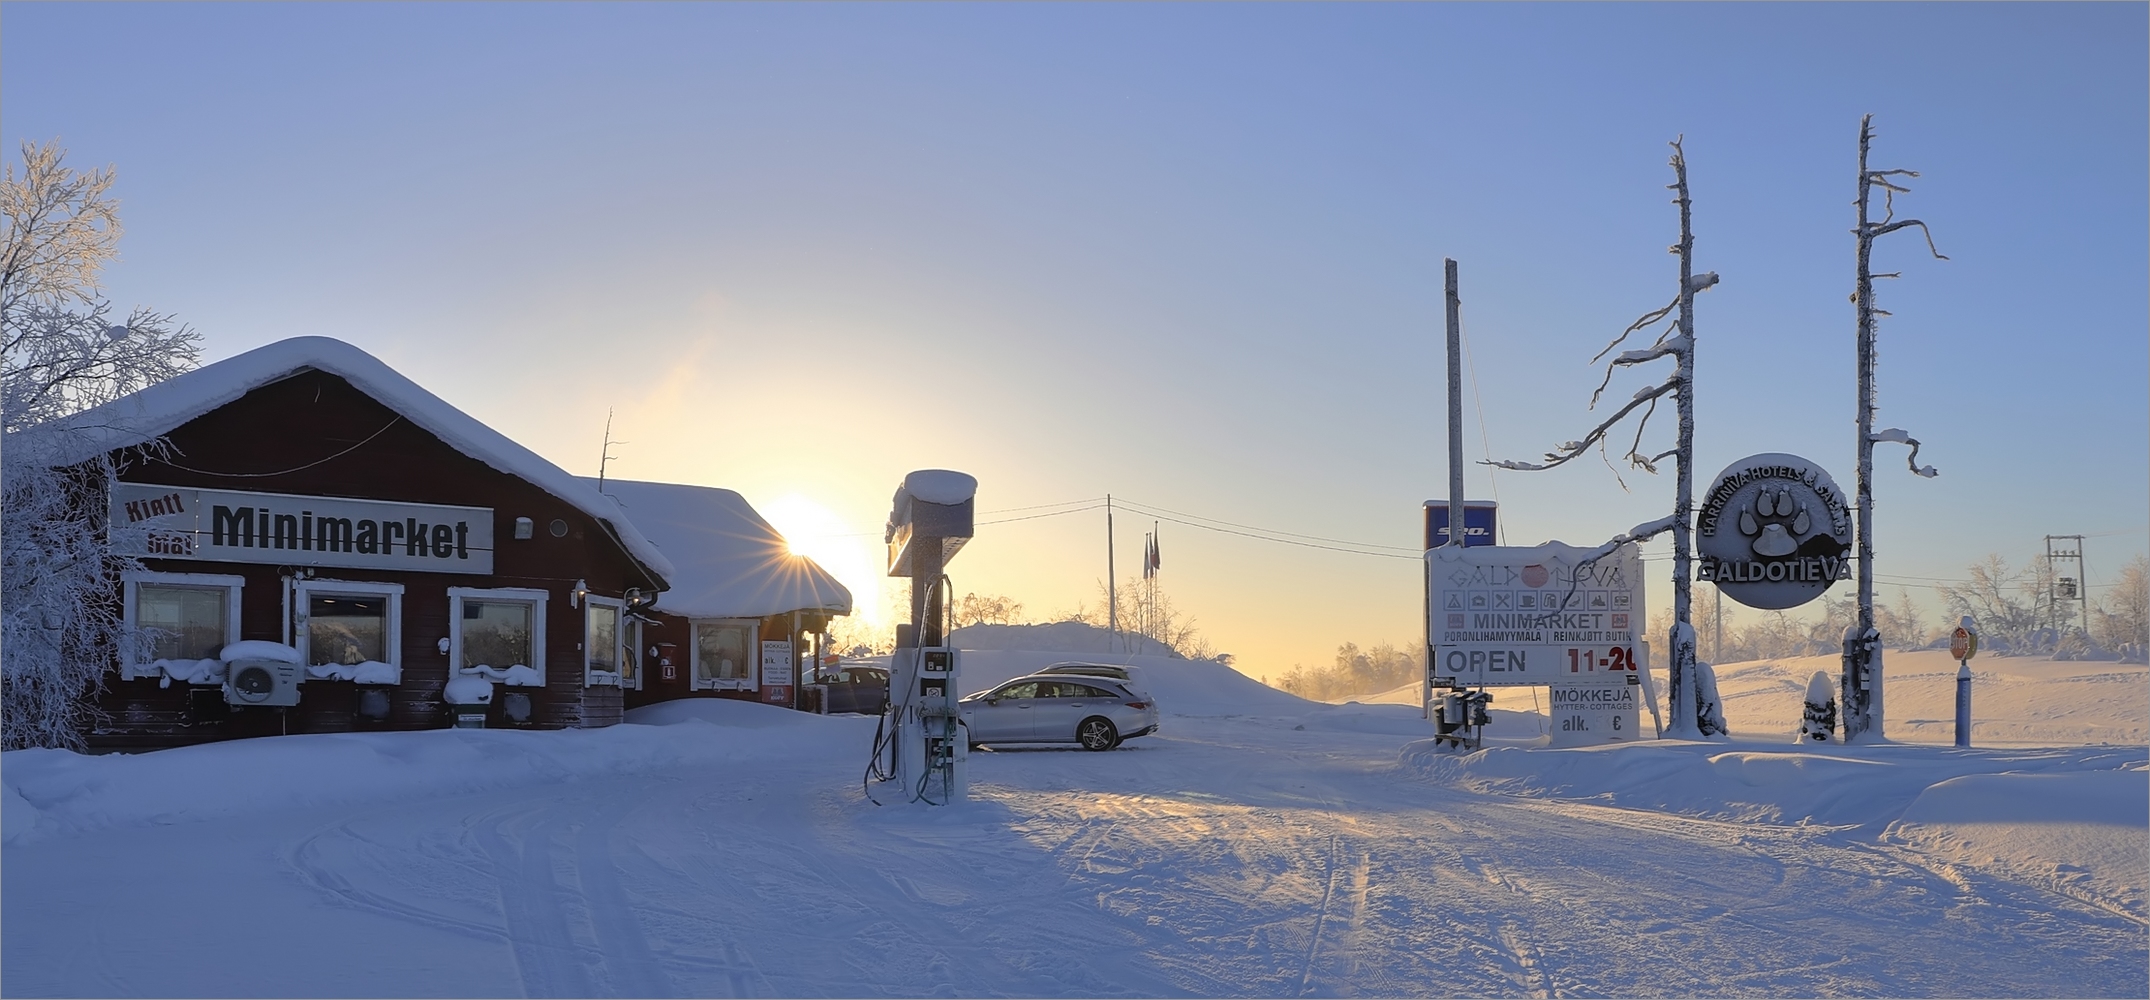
(1478, 522)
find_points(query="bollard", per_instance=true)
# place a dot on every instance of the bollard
(1963, 644)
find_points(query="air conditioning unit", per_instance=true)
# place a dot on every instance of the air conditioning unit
(263, 682)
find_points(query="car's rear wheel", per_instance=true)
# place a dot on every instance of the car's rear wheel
(1097, 733)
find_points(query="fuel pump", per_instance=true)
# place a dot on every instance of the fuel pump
(932, 516)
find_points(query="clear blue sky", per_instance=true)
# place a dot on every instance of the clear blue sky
(1185, 254)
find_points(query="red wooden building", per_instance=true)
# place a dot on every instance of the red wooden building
(741, 608)
(308, 495)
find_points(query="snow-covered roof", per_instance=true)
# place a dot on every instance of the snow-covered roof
(162, 408)
(730, 563)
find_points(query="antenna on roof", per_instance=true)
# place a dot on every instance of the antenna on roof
(606, 454)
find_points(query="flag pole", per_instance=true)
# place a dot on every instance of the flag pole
(1112, 592)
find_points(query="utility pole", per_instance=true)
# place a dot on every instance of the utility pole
(2069, 588)
(1455, 407)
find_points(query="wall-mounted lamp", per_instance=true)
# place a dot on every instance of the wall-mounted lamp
(582, 590)
(524, 528)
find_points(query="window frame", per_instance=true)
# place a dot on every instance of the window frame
(751, 653)
(302, 593)
(519, 595)
(593, 677)
(130, 599)
(632, 624)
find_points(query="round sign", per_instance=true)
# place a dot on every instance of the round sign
(1772, 532)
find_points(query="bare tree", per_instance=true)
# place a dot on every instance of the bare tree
(1693, 710)
(60, 353)
(1862, 683)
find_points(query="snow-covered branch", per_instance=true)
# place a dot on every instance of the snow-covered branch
(1884, 229)
(1570, 449)
(1897, 435)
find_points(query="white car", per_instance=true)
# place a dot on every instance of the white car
(1129, 677)
(1094, 712)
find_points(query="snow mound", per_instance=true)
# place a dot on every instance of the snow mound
(47, 793)
(1062, 637)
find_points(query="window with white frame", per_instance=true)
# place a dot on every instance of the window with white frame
(724, 654)
(181, 616)
(601, 635)
(494, 630)
(344, 628)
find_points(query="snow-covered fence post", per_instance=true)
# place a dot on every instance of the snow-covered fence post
(1691, 702)
(1862, 681)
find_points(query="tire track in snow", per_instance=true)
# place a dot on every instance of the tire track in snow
(310, 859)
(629, 965)
(547, 958)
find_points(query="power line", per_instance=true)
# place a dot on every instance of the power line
(1152, 510)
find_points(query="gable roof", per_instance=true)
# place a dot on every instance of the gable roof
(730, 562)
(146, 415)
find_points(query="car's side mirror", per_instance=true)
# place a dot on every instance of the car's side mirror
(990, 700)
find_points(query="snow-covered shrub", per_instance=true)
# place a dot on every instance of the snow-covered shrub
(60, 353)
(1709, 706)
(1817, 720)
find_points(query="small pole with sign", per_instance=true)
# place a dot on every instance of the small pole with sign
(1963, 644)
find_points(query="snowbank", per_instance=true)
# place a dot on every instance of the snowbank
(48, 793)
(2077, 815)
(1063, 637)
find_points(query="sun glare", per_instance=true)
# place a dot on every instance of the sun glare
(813, 531)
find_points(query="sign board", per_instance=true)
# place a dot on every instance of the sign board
(1585, 714)
(1773, 532)
(229, 526)
(776, 663)
(1479, 520)
(1505, 616)
(1962, 644)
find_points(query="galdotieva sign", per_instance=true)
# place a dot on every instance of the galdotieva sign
(1773, 532)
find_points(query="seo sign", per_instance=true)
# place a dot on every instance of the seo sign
(1773, 531)
(1505, 616)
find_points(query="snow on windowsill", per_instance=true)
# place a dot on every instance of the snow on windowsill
(366, 672)
(166, 671)
(516, 675)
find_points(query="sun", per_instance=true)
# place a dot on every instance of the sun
(814, 531)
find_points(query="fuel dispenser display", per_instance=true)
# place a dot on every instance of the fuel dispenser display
(932, 747)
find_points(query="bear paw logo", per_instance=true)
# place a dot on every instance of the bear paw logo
(1775, 522)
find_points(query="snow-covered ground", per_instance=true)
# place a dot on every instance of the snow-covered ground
(1259, 845)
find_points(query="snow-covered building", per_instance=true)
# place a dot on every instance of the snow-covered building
(424, 568)
(735, 620)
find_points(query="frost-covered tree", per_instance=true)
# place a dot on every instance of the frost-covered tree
(1692, 693)
(2121, 622)
(61, 352)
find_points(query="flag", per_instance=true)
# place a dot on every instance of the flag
(1153, 558)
